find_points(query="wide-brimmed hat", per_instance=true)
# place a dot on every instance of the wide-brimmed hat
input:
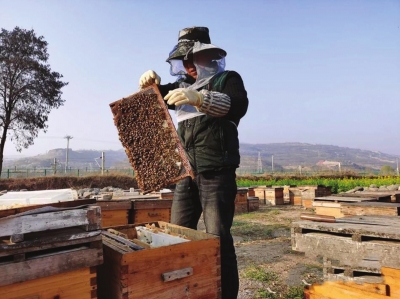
(186, 40)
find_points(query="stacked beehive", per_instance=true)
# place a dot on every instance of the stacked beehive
(354, 250)
(50, 253)
(187, 269)
(241, 203)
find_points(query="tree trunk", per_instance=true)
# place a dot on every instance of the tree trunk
(2, 144)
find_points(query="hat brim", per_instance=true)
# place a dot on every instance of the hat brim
(183, 49)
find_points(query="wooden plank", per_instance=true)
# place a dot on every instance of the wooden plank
(55, 239)
(48, 265)
(89, 217)
(337, 289)
(344, 199)
(329, 211)
(77, 284)
(111, 205)
(114, 218)
(152, 204)
(371, 208)
(63, 204)
(149, 215)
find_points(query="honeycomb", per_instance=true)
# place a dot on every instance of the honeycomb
(149, 138)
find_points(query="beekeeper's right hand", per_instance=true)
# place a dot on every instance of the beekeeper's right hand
(149, 78)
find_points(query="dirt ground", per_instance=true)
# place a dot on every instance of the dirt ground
(268, 267)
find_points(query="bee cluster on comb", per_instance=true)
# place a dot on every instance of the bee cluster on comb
(149, 138)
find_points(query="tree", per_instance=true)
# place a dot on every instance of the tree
(387, 170)
(29, 90)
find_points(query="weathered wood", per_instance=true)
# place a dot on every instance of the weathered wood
(47, 264)
(76, 284)
(63, 204)
(371, 208)
(139, 274)
(344, 199)
(151, 204)
(351, 244)
(49, 221)
(177, 274)
(114, 218)
(121, 240)
(111, 205)
(49, 240)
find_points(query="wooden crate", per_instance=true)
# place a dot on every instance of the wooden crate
(241, 207)
(253, 203)
(370, 208)
(309, 193)
(149, 210)
(76, 284)
(241, 195)
(114, 212)
(186, 270)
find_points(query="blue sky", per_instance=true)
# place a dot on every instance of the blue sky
(316, 71)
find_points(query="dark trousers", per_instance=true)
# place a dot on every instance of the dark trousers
(212, 194)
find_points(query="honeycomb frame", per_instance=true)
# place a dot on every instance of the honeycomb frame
(150, 139)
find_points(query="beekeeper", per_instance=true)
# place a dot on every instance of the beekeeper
(209, 103)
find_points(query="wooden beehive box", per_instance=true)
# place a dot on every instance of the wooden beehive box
(76, 284)
(260, 193)
(150, 210)
(253, 203)
(114, 212)
(295, 196)
(241, 207)
(251, 192)
(241, 195)
(332, 205)
(309, 193)
(274, 196)
(150, 140)
(186, 270)
(39, 249)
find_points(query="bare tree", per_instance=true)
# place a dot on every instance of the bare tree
(29, 90)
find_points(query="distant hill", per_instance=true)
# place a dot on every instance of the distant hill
(285, 156)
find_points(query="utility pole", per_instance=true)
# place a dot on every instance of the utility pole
(397, 169)
(68, 137)
(259, 164)
(272, 164)
(55, 166)
(102, 162)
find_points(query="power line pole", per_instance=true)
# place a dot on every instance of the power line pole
(68, 137)
(272, 164)
(102, 162)
(55, 166)
(259, 164)
(397, 169)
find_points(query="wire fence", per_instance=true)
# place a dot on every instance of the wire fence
(79, 172)
(32, 173)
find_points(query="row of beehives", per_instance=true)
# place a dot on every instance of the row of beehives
(292, 195)
(66, 251)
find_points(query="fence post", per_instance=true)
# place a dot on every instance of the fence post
(8, 173)
(78, 172)
(45, 172)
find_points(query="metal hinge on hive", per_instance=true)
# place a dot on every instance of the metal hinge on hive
(150, 140)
